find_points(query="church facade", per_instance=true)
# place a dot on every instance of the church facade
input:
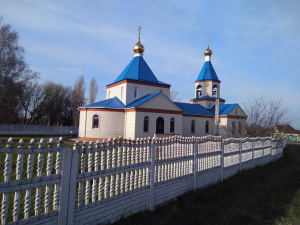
(138, 105)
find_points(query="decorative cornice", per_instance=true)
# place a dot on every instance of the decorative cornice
(199, 81)
(234, 117)
(205, 99)
(102, 109)
(195, 115)
(154, 111)
(137, 82)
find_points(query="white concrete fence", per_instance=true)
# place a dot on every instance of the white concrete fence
(103, 181)
(18, 129)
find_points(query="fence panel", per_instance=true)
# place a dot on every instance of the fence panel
(101, 182)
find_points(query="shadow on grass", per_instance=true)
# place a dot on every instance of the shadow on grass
(264, 195)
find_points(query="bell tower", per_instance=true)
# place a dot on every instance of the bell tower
(207, 85)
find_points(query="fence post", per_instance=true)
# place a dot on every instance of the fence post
(152, 171)
(253, 155)
(240, 158)
(195, 163)
(68, 187)
(263, 152)
(222, 160)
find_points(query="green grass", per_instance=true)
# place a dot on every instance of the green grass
(264, 195)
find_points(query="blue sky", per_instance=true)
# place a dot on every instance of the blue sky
(255, 44)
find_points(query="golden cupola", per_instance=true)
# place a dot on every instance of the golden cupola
(138, 48)
(208, 52)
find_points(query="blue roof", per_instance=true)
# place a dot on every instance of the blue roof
(224, 109)
(108, 103)
(207, 72)
(208, 97)
(142, 100)
(138, 70)
(196, 109)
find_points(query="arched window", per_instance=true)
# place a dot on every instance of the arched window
(172, 125)
(121, 92)
(146, 124)
(233, 127)
(160, 125)
(240, 128)
(135, 92)
(108, 94)
(199, 91)
(193, 126)
(215, 91)
(207, 127)
(95, 121)
(236, 111)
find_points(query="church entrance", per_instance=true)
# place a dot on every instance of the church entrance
(160, 125)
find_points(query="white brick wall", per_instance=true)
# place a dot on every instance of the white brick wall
(130, 121)
(199, 126)
(128, 91)
(139, 132)
(111, 124)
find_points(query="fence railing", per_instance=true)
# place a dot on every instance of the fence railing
(17, 129)
(101, 182)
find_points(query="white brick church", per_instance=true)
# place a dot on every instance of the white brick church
(138, 105)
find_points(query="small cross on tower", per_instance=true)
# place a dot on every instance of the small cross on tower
(208, 41)
(139, 32)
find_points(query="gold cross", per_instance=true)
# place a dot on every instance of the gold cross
(139, 32)
(208, 41)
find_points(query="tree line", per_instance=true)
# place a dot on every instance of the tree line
(23, 100)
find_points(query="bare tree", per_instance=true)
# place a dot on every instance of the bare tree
(32, 100)
(78, 97)
(264, 115)
(14, 73)
(174, 97)
(93, 90)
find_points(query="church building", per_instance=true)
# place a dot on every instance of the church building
(138, 105)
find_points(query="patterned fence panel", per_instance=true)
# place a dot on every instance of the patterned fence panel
(30, 185)
(100, 182)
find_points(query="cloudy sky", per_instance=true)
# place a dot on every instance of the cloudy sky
(255, 44)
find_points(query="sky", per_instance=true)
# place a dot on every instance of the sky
(255, 43)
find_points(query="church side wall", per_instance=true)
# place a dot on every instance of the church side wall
(199, 126)
(130, 122)
(127, 96)
(152, 123)
(111, 124)
(81, 124)
(143, 90)
(116, 92)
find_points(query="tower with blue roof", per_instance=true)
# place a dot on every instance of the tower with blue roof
(207, 85)
(136, 80)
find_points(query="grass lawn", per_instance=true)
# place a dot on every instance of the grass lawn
(265, 195)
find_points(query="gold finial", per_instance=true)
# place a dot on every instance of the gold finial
(208, 52)
(139, 48)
